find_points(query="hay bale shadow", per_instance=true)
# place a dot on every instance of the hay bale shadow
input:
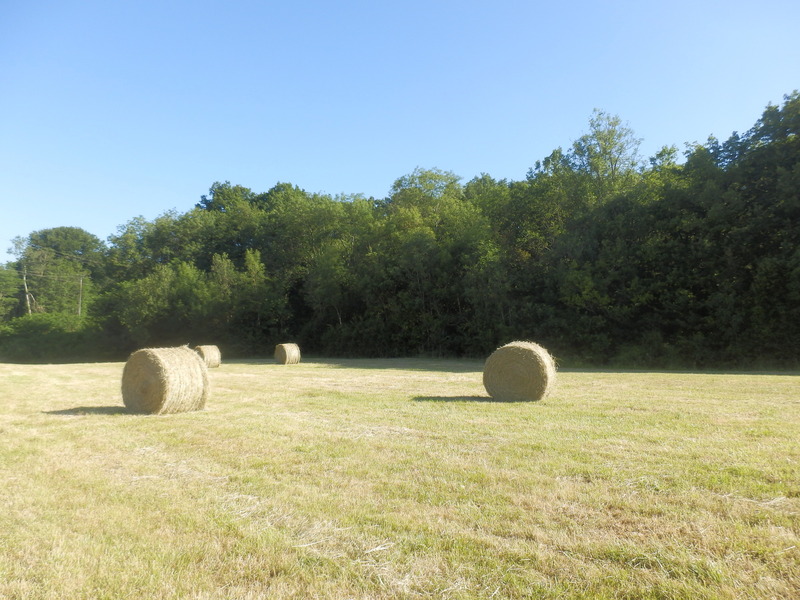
(454, 399)
(92, 410)
(449, 365)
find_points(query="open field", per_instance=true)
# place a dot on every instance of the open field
(400, 479)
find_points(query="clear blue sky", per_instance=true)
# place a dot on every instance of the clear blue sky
(114, 109)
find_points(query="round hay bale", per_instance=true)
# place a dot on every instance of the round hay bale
(287, 354)
(519, 371)
(210, 355)
(165, 380)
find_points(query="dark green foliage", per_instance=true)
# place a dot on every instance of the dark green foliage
(54, 338)
(10, 291)
(600, 258)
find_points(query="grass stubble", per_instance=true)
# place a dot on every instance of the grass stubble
(400, 479)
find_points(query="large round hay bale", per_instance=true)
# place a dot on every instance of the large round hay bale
(210, 355)
(165, 380)
(519, 371)
(287, 354)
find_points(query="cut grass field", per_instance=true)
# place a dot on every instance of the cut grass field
(400, 479)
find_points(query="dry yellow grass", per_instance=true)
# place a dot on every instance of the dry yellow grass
(400, 479)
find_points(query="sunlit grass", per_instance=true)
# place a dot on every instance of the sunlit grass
(400, 479)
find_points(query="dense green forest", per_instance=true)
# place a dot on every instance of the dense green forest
(688, 260)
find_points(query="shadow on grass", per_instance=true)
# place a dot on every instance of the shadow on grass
(92, 410)
(460, 399)
(451, 365)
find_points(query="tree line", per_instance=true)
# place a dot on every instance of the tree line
(603, 257)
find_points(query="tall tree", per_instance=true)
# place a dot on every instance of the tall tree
(59, 267)
(223, 196)
(608, 153)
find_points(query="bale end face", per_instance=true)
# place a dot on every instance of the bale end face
(519, 372)
(164, 380)
(210, 355)
(287, 354)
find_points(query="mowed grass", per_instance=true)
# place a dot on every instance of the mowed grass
(400, 479)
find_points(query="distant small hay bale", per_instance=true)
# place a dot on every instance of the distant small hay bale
(287, 354)
(519, 371)
(210, 355)
(164, 381)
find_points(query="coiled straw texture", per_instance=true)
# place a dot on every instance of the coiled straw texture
(165, 380)
(518, 372)
(287, 354)
(210, 355)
